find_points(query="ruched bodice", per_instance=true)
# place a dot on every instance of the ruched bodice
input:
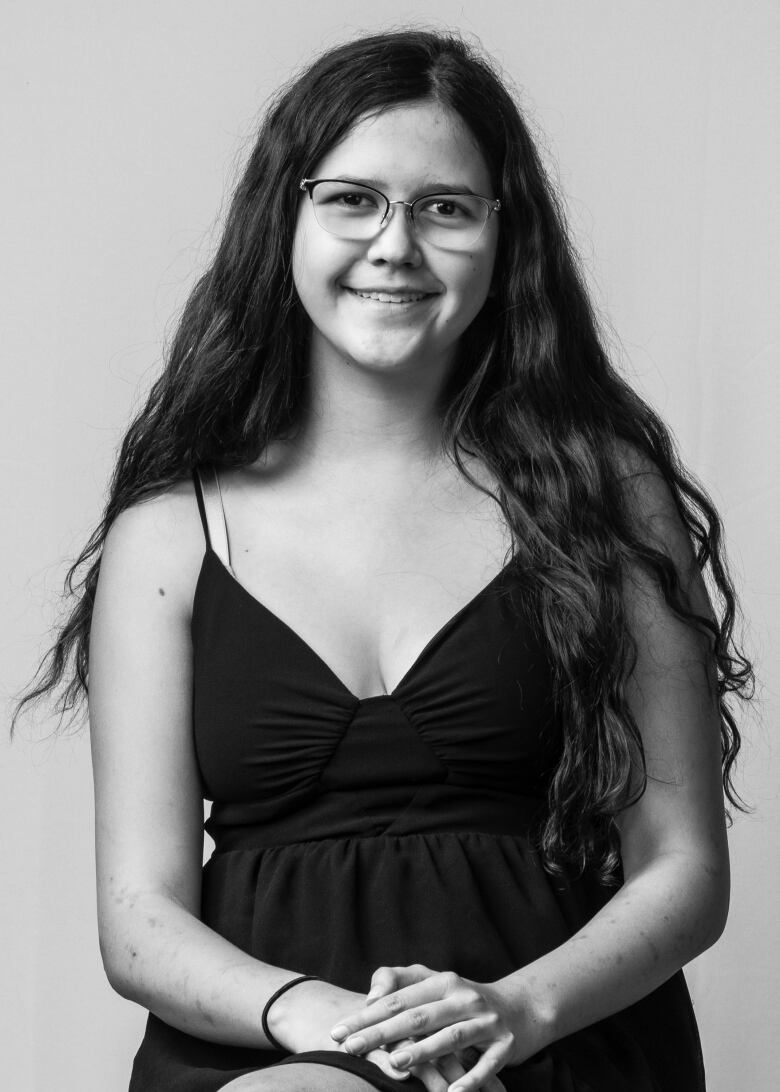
(277, 732)
(395, 829)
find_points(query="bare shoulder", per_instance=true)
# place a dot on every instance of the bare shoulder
(157, 545)
(656, 517)
(654, 508)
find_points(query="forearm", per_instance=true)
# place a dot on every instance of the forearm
(160, 955)
(657, 922)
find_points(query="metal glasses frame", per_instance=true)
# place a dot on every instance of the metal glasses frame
(492, 204)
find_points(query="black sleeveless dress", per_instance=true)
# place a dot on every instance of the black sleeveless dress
(351, 833)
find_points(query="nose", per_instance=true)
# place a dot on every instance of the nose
(396, 241)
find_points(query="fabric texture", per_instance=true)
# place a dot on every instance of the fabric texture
(351, 833)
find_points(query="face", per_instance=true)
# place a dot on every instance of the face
(405, 152)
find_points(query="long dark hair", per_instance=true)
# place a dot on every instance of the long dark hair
(532, 393)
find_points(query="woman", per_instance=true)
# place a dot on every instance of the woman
(445, 660)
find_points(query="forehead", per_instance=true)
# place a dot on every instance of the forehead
(413, 145)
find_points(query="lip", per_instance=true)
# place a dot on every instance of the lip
(398, 295)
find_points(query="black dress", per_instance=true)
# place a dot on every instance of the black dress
(393, 830)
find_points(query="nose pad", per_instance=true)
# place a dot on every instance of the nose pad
(396, 239)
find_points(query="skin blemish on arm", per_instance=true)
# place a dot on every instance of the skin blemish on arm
(161, 591)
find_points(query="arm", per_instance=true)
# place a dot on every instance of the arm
(148, 801)
(148, 805)
(674, 900)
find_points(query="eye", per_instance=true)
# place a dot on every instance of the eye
(353, 200)
(346, 198)
(449, 207)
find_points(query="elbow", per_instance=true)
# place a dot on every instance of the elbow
(116, 969)
(715, 918)
(712, 909)
(121, 941)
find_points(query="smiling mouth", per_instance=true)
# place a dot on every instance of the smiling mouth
(391, 297)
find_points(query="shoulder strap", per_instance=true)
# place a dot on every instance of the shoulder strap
(212, 512)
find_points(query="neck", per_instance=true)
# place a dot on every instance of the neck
(370, 420)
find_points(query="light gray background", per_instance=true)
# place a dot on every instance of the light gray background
(124, 124)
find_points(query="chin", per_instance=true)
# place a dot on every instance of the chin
(388, 362)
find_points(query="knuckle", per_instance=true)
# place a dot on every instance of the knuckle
(456, 1035)
(468, 999)
(393, 1002)
(418, 1018)
(450, 981)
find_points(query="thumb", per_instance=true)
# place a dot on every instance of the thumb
(382, 1059)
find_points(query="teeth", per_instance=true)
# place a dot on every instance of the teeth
(390, 297)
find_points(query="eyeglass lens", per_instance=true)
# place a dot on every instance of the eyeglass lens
(351, 211)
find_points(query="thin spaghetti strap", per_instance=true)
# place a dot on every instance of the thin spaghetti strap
(201, 506)
(225, 535)
(212, 513)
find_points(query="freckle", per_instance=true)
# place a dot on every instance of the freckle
(161, 591)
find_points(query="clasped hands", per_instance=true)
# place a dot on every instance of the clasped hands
(451, 1021)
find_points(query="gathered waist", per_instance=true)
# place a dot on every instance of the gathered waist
(428, 809)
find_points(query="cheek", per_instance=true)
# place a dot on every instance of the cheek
(317, 265)
(475, 279)
(300, 256)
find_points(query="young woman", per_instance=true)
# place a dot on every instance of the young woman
(399, 573)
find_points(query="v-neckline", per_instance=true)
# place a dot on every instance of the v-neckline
(437, 637)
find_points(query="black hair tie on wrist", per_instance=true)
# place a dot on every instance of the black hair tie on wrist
(264, 1018)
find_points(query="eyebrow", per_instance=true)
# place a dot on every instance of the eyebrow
(427, 187)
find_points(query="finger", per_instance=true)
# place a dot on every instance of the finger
(450, 1038)
(386, 979)
(468, 1056)
(417, 1023)
(382, 1059)
(450, 1067)
(483, 1071)
(425, 992)
(468, 1059)
(430, 1076)
(383, 980)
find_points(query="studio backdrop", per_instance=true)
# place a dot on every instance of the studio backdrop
(124, 126)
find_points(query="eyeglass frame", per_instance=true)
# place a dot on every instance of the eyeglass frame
(493, 204)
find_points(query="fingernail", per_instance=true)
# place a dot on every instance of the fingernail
(338, 1032)
(372, 996)
(354, 1046)
(401, 1060)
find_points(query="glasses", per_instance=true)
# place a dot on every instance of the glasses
(349, 210)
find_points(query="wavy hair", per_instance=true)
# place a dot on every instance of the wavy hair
(532, 393)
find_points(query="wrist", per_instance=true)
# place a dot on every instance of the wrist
(529, 1011)
(279, 1010)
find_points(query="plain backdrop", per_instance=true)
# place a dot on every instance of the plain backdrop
(123, 128)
